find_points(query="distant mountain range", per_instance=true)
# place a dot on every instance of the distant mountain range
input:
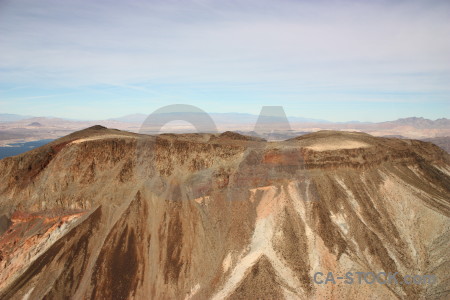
(13, 117)
(244, 118)
(421, 122)
(20, 128)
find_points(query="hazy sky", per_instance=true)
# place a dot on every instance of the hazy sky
(334, 60)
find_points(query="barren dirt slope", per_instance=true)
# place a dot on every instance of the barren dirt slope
(105, 214)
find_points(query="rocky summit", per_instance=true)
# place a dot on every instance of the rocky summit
(106, 214)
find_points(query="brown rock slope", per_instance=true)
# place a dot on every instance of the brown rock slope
(443, 142)
(115, 215)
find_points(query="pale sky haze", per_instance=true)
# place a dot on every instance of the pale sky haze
(334, 60)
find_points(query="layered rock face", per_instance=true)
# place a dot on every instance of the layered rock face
(105, 214)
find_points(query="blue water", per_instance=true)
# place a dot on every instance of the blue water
(19, 148)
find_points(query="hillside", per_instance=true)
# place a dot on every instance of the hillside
(443, 142)
(269, 128)
(103, 213)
